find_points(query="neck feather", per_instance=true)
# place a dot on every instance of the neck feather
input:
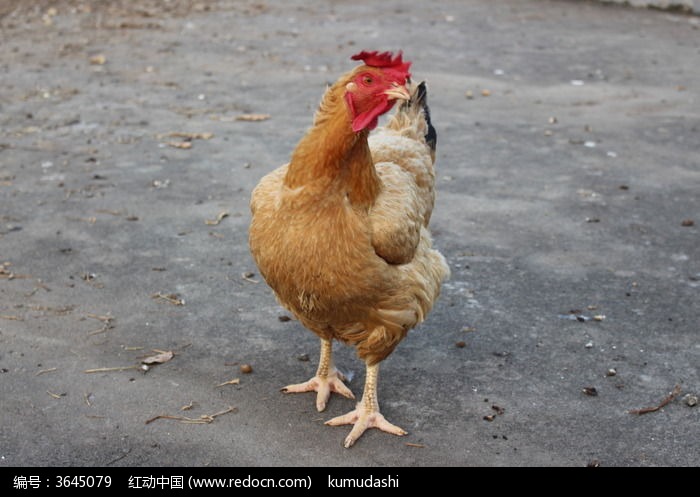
(332, 154)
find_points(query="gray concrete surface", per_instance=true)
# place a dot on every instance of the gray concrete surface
(570, 187)
(689, 6)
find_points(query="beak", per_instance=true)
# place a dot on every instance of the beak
(398, 92)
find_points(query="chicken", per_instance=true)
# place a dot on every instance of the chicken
(340, 232)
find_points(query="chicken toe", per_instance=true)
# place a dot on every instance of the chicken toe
(333, 382)
(327, 380)
(362, 421)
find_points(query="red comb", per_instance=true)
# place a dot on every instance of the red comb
(384, 60)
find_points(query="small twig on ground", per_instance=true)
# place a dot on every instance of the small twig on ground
(184, 145)
(235, 381)
(203, 419)
(420, 446)
(108, 370)
(219, 217)
(44, 371)
(111, 212)
(107, 323)
(252, 117)
(11, 318)
(645, 410)
(171, 298)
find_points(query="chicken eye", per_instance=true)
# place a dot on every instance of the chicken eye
(367, 80)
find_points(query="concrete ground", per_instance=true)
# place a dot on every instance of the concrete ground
(568, 208)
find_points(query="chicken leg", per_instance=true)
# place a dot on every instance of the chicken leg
(327, 379)
(366, 414)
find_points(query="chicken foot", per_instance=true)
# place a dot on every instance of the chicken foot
(366, 414)
(327, 379)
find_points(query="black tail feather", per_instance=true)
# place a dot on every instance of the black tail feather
(420, 97)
